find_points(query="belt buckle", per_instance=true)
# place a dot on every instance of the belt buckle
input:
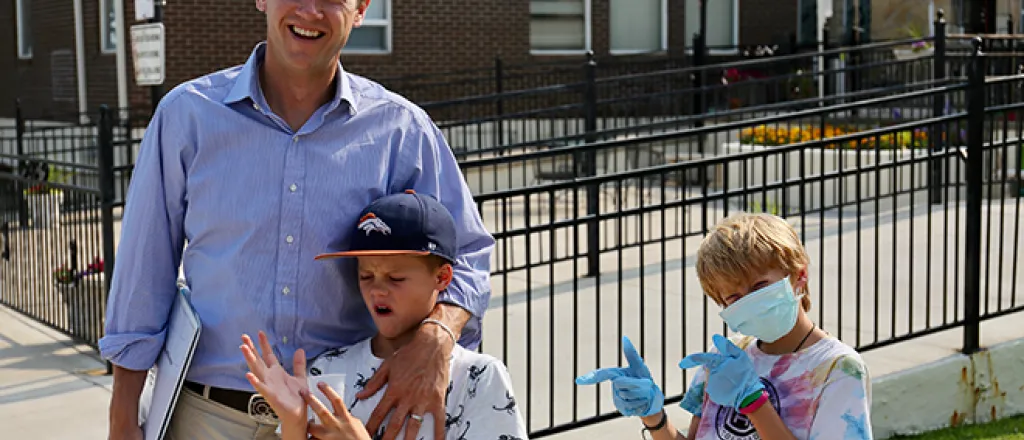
(260, 411)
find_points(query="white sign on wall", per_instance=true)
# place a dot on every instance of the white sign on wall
(144, 10)
(148, 53)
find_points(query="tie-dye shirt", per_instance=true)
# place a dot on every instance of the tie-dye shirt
(822, 392)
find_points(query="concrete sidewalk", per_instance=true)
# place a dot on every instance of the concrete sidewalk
(53, 388)
(50, 387)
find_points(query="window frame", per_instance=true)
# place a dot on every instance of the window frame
(386, 23)
(105, 28)
(588, 32)
(735, 33)
(663, 43)
(19, 11)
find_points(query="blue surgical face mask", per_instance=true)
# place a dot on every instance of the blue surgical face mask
(767, 314)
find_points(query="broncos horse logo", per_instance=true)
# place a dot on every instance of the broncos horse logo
(370, 223)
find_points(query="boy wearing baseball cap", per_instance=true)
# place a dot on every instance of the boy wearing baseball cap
(405, 247)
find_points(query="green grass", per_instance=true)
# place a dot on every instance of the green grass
(1006, 429)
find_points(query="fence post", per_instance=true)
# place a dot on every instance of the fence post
(700, 51)
(590, 163)
(19, 129)
(938, 107)
(105, 157)
(824, 63)
(972, 239)
(499, 104)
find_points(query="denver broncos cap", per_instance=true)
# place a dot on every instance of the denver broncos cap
(402, 224)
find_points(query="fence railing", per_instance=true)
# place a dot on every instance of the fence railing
(913, 226)
(584, 102)
(586, 105)
(57, 218)
(896, 253)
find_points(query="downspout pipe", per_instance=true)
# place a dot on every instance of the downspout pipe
(83, 102)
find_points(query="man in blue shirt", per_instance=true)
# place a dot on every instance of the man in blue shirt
(245, 175)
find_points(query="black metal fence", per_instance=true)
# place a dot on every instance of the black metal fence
(600, 99)
(61, 189)
(581, 261)
(905, 240)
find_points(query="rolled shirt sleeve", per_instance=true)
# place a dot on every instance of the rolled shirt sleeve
(437, 173)
(149, 253)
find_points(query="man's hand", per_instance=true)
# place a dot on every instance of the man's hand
(417, 378)
(124, 404)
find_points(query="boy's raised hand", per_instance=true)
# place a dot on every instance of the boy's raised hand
(731, 376)
(268, 376)
(336, 425)
(633, 390)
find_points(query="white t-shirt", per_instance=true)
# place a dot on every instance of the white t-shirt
(479, 402)
(822, 392)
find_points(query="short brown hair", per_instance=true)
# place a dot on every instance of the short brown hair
(743, 246)
(434, 262)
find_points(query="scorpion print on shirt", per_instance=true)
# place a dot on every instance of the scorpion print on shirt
(479, 401)
(822, 392)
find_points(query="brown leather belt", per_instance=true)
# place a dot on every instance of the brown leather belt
(237, 400)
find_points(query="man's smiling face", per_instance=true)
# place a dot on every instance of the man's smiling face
(309, 34)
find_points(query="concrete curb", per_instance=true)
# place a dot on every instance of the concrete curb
(957, 390)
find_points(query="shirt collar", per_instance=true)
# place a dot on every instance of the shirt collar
(247, 84)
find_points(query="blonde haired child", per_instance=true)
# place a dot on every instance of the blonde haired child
(781, 377)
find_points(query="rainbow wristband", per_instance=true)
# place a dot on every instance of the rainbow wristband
(750, 399)
(758, 403)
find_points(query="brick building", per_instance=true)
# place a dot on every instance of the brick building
(63, 56)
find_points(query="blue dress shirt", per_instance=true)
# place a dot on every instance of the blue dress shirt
(255, 201)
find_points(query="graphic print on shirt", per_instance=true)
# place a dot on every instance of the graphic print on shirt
(462, 436)
(731, 425)
(492, 414)
(509, 407)
(334, 353)
(474, 379)
(360, 385)
(455, 420)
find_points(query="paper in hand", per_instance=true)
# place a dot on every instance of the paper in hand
(336, 381)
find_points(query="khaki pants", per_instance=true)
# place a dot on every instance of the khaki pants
(196, 418)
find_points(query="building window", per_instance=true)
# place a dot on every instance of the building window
(559, 26)
(374, 34)
(638, 26)
(63, 75)
(108, 27)
(722, 25)
(24, 12)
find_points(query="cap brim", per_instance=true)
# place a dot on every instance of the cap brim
(369, 254)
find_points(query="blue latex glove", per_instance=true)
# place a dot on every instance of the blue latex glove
(731, 377)
(633, 390)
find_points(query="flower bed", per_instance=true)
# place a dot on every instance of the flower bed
(772, 136)
(883, 165)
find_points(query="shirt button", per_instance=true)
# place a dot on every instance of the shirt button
(289, 239)
(286, 290)
(295, 139)
(293, 188)
(284, 339)
(255, 106)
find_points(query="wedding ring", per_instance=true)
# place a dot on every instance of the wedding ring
(416, 417)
